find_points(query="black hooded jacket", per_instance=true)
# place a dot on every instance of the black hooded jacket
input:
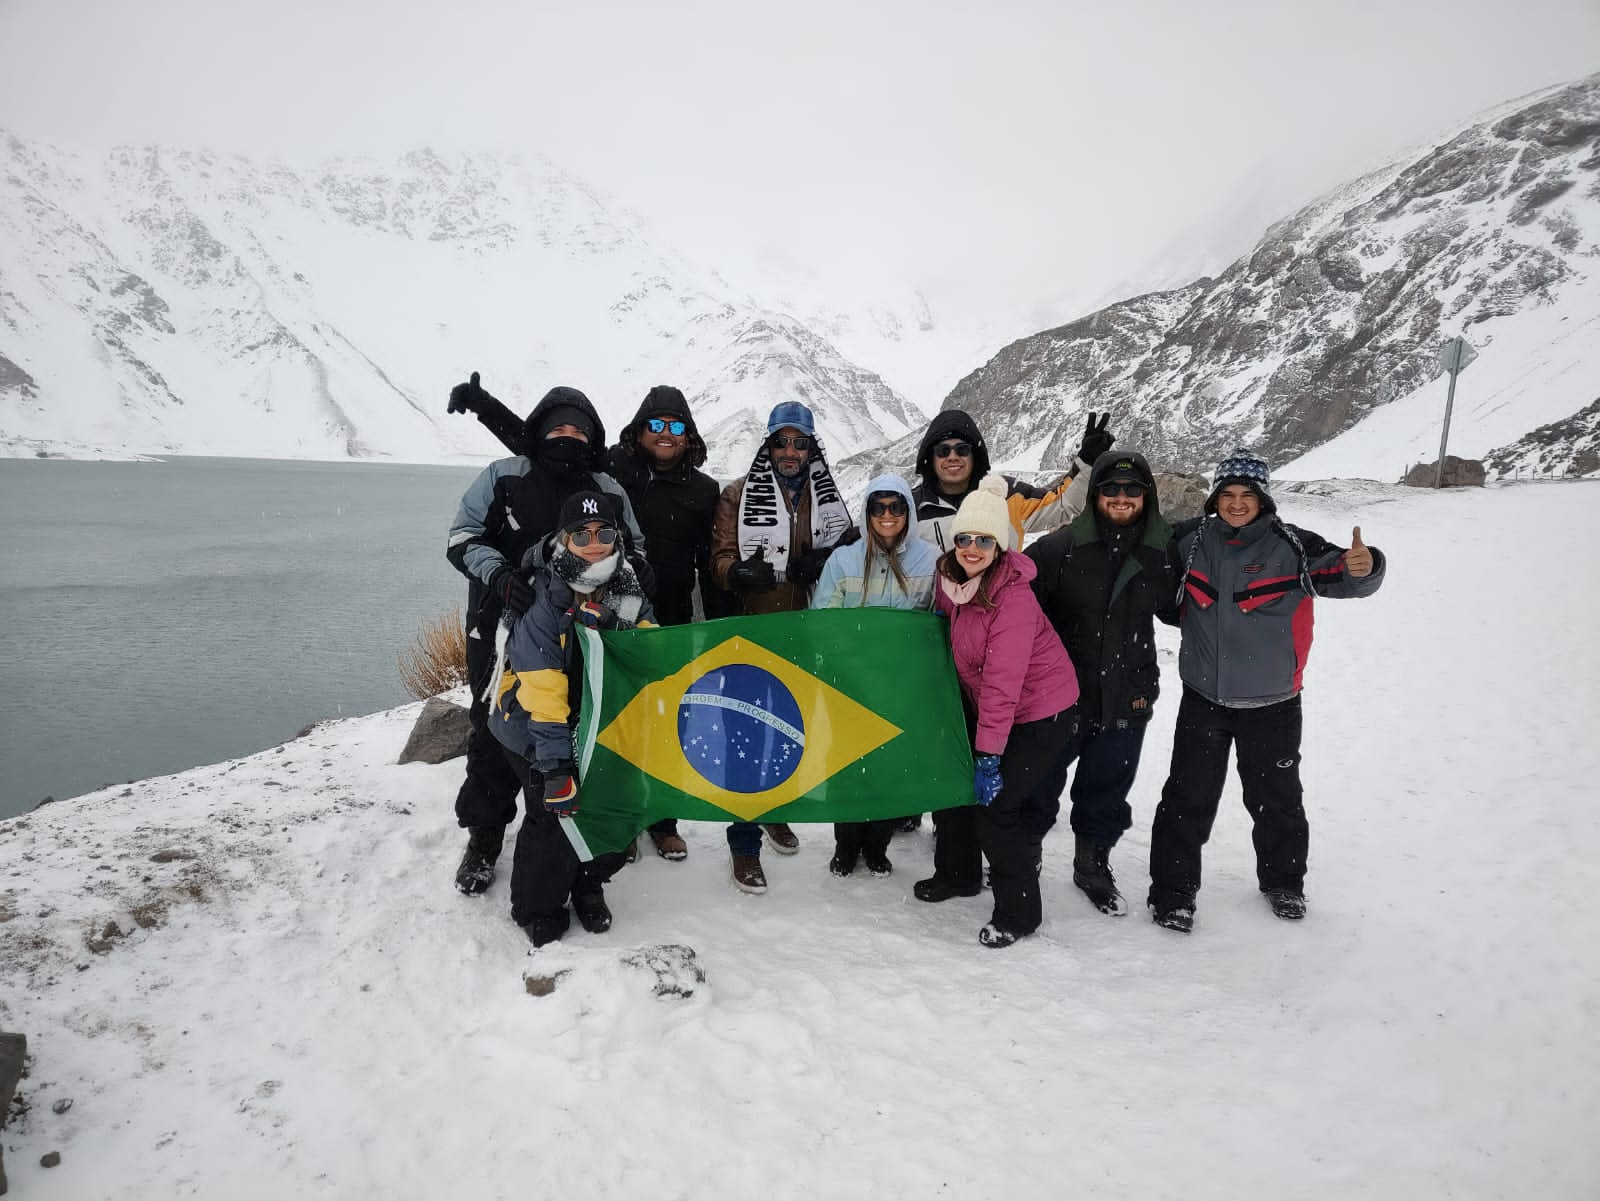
(675, 508)
(1101, 586)
(515, 502)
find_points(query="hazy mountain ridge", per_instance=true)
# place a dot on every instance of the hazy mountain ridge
(1338, 310)
(159, 300)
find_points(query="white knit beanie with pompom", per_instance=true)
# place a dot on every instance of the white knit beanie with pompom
(984, 511)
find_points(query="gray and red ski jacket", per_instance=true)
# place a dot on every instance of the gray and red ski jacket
(1244, 604)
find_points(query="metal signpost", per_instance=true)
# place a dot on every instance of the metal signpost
(1454, 356)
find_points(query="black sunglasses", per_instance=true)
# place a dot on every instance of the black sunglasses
(1134, 491)
(961, 450)
(894, 507)
(981, 541)
(606, 534)
(784, 441)
(657, 424)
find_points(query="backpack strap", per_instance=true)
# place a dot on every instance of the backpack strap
(1293, 540)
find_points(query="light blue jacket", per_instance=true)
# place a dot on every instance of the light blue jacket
(843, 585)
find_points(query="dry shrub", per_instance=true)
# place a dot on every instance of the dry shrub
(437, 661)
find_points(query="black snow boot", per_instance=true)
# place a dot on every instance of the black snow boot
(1178, 916)
(546, 927)
(1091, 871)
(476, 872)
(1290, 906)
(594, 915)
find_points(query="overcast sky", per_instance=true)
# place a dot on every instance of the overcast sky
(1003, 152)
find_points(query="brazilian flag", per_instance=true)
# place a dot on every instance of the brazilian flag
(820, 716)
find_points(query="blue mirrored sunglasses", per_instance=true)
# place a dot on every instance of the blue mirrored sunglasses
(657, 424)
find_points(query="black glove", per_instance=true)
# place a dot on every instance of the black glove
(513, 592)
(468, 397)
(805, 569)
(1096, 438)
(644, 573)
(754, 574)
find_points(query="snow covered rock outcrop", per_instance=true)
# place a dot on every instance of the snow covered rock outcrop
(1339, 311)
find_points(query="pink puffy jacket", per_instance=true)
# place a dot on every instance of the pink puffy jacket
(1009, 659)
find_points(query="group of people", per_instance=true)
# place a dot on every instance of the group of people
(1053, 645)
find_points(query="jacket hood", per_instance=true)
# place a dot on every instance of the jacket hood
(897, 485)
(1109, 463)
(562, 397)
(952, 423)
(1013, 568)
(1086, 525)
(665, 400)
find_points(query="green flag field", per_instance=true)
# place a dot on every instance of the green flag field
(819, 716)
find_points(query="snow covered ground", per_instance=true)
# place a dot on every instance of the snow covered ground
(299, 1005)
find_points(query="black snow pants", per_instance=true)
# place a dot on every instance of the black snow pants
(1004, 831)
(488, 796)
(1267, 744)
(545, 870)
(852, 839)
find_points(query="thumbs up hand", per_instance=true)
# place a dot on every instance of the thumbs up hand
(1358, 559)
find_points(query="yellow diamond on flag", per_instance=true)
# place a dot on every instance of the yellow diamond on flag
(744, 729)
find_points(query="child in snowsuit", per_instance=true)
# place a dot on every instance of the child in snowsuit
(581, 576)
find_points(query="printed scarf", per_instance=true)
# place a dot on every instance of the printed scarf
(764, 520)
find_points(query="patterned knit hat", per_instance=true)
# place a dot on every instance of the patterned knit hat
(1245, 467)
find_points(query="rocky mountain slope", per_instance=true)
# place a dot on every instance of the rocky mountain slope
(1338, 313)
(156, 300)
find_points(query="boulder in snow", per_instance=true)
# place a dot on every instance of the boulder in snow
(440, 733)
(1458, 473)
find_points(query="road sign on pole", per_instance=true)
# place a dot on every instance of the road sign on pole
(1454, 356)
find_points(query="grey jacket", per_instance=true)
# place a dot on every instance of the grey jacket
(1245, 605)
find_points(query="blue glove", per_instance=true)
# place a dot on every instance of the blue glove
(986, 780)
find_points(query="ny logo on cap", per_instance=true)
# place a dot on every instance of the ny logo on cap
(591, 506)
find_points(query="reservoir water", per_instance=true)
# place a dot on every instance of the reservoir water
(154, 616)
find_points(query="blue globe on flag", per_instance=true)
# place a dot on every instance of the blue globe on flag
(741, 729)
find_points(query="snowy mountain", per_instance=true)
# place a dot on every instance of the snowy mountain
(254, 979)
(1335, 318)
(170, 300)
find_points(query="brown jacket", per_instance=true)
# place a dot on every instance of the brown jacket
(786, 597)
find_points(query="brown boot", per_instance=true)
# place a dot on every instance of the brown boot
(747, 874)
(669, 846)
(783, 839)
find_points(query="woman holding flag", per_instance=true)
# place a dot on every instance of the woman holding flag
(581, 577)
(1021, 694)
(890, 567)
